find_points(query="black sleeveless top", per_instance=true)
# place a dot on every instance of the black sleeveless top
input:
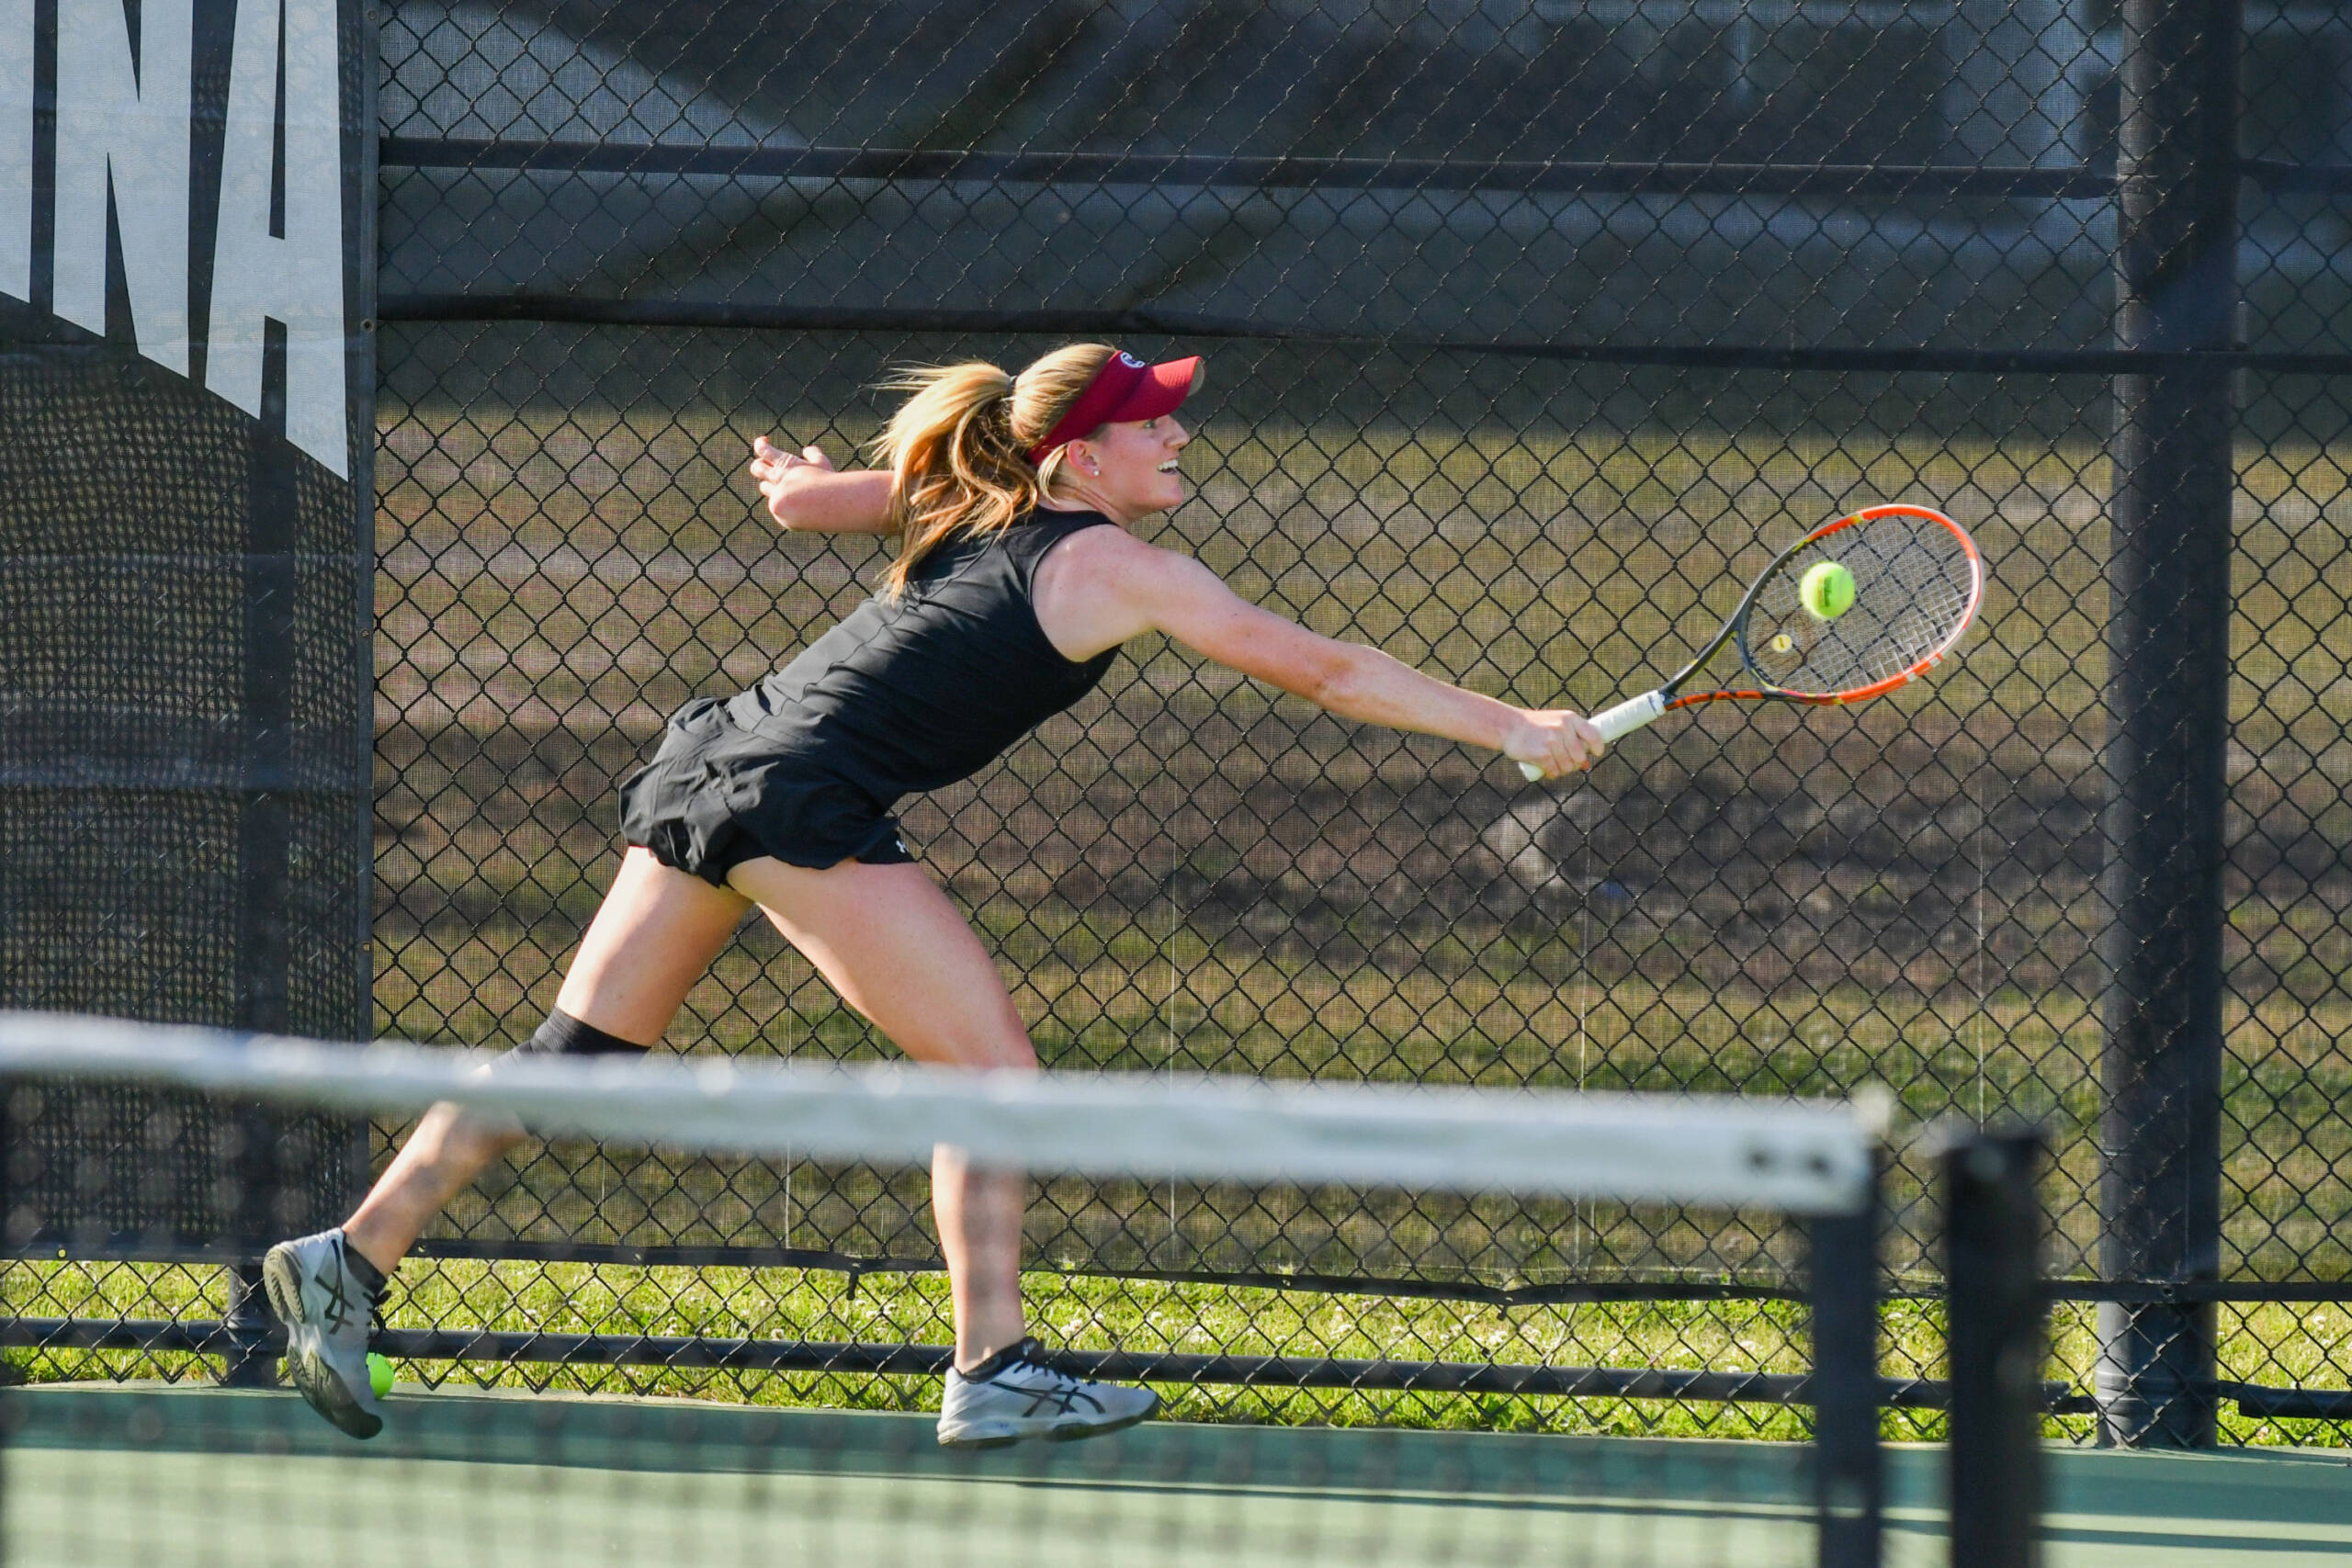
(905, 693)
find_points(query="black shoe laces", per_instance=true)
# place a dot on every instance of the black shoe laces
(345, 1295)
(1065, 1388)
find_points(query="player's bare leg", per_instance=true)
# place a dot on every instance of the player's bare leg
(892, 944)
(653, 937)
(898, 949)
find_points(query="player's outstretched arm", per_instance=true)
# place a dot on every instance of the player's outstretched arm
(807, 494)
(1103, 586)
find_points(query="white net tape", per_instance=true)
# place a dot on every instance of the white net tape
(1790, 1157)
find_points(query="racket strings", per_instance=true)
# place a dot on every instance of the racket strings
(1913, 585)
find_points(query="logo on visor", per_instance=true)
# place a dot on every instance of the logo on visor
(1130, 360)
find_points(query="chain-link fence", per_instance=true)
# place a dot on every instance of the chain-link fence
(1532, 329)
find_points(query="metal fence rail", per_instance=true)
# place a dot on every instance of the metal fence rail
(1531, 330)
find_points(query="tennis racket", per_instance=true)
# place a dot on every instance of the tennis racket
(1917, 580)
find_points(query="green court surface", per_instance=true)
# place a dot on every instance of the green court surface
(99, 1475)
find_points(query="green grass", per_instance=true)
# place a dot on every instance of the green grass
(2267, 1344)
(1079, 1312)
(2288, 1159)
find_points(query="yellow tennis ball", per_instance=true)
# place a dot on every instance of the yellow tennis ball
(1826, 591)
(380, 1374)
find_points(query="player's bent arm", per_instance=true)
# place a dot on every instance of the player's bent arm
(1101, 587)
(806, 493)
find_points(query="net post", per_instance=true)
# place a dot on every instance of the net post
(11, 1408)
(1992, 1239)
(249, 1357)
(1848, 1483)
(265, 843)
(2167, 695)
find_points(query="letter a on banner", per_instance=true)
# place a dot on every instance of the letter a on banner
(17, 148)
(294, 278)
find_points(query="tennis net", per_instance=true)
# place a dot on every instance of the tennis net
(100, 1471)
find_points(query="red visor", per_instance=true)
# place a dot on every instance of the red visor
(1124, 391)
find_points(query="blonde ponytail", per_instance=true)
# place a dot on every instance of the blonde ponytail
(958, 447)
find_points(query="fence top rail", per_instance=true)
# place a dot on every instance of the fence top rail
(1796, 1157)
(1529, 176)
(1285, 171)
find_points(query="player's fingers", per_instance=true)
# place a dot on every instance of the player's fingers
(1576, 745)
(1563, 743)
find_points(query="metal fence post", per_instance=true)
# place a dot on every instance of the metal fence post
(11, 1407)
(2167, 693)
(264, 844)
(1993, 1238)
(1848, 1480)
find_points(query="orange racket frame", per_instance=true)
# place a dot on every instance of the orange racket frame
(1637, 712)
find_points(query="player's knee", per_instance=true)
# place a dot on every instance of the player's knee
(564, 1036)
(976, 1043)
(493, 1135)
(1004, 1053)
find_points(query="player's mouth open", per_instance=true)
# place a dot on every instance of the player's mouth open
(1168, 467)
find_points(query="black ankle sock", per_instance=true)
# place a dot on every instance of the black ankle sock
(564, 1036)
(1019, 1351)
(370, 1277)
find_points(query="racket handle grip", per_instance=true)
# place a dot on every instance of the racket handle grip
(1634, 712)
(1622, 720)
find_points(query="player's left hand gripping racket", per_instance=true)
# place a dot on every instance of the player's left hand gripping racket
(1916, 583)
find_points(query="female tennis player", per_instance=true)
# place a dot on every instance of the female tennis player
(1016, 579)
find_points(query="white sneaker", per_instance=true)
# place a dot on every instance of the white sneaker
(325, 1311)
(1014, 1394)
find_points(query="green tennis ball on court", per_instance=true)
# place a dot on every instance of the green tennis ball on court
(1826, 591)
(380, 1374)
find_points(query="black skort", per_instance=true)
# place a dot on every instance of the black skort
(719, 793)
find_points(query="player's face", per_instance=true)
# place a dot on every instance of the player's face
(1132, 467)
